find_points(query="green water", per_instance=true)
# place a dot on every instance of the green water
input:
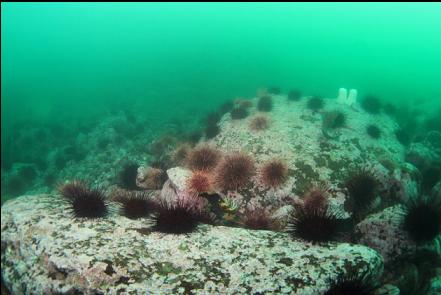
(75, 59)
(69, 65)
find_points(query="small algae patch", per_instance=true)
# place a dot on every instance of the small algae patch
(165, 268)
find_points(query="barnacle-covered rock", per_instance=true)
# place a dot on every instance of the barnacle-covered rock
(425, 153)
(44, 251)
(384, 232)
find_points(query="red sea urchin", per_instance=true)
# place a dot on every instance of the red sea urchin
(235, 171)
(274, 173)
(85, 202)
(200, 182)
(181, 216)
(203, 158)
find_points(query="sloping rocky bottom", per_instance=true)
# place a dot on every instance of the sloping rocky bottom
(45, 251)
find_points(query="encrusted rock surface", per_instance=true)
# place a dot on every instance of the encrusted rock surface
(383, 232)
(296, 135)
(44, 251)
(427, 152)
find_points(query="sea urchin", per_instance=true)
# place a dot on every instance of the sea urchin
(315, 103)
(316, 224)
(200, 182)
(258, 219)
(259, 123)
(353, 282)
(265, 103)
(181, 216)
(203, 157)
(235, 171)
(362, 187)
(85, 202)
(373, 131)
(134, 204)
(316, 198)
(422, 218)
(273, 173)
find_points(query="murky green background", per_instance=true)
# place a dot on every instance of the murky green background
(68, 63)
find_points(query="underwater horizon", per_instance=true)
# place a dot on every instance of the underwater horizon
(303, 140)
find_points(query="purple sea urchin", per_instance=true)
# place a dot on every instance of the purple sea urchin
(315, 103)
(179, 217)
(353, 283)
(239, 113)
(316, 224)
(422, 218)
(362, 188)
(85, 202)
(134, 204)
(373, 131)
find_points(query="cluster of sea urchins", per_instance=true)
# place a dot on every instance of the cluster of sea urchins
(181, 215)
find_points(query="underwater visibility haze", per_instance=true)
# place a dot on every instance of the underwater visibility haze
(221, 148)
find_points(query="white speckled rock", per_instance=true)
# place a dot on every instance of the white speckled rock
(383, 232)
(178, 177)
(45, 252)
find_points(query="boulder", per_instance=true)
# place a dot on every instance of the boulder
(45, 251)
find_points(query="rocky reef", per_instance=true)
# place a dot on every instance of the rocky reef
(44, 252)
(281, 195)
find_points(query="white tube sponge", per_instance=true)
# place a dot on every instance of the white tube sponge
(344, 98)
(352, 97)
(342, 95)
